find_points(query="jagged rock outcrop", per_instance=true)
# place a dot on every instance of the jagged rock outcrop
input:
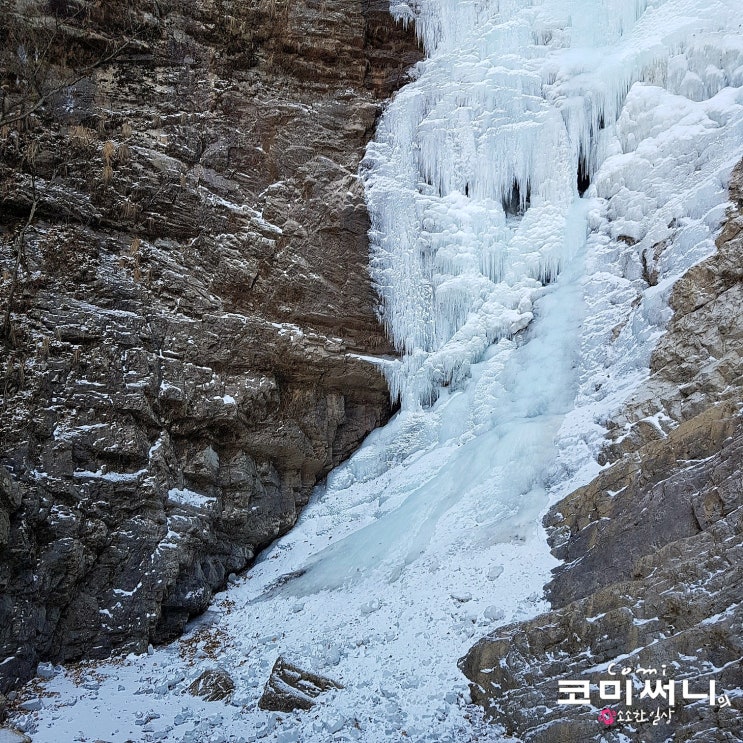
(652, 548)
(699, 361)
(212, 685)
(289, 688)
(185, 296)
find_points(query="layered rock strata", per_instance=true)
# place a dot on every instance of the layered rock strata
(652, 548)
(185, 299)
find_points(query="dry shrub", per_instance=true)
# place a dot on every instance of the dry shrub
(209, 640)
(82, 137)
(129, 209)
(108, 152)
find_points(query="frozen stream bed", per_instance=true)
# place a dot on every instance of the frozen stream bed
(549, 172)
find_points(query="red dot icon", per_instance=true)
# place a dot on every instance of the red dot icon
(608, 716)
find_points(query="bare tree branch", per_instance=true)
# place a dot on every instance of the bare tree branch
(80, 75)
(20, 245)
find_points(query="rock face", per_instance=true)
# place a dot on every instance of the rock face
(653, 547)
(185, 299)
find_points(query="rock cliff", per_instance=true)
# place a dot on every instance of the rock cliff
(184, 298)
(653, 547)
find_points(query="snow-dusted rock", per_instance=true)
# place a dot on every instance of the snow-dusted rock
(289, 688)
(11, 735)
(212, 685)
(46, 670)
(653, 546)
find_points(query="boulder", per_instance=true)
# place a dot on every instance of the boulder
(213, 685)
(289, 688)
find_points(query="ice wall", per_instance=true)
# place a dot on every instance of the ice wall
(477, 164)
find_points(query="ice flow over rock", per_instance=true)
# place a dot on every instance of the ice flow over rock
(550, 171)
(477, 165)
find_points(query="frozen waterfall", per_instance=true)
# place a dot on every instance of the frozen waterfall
(543, 156)
(478, 164)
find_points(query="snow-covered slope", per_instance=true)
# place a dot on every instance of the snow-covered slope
(535, 191)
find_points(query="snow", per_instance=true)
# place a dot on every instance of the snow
(121, 477)
(287, 328)
(9, 736)
(524, 320)
(121, 592)
(187, 497)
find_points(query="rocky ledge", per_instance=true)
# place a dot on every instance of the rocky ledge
(652, 548)
(185, 303)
